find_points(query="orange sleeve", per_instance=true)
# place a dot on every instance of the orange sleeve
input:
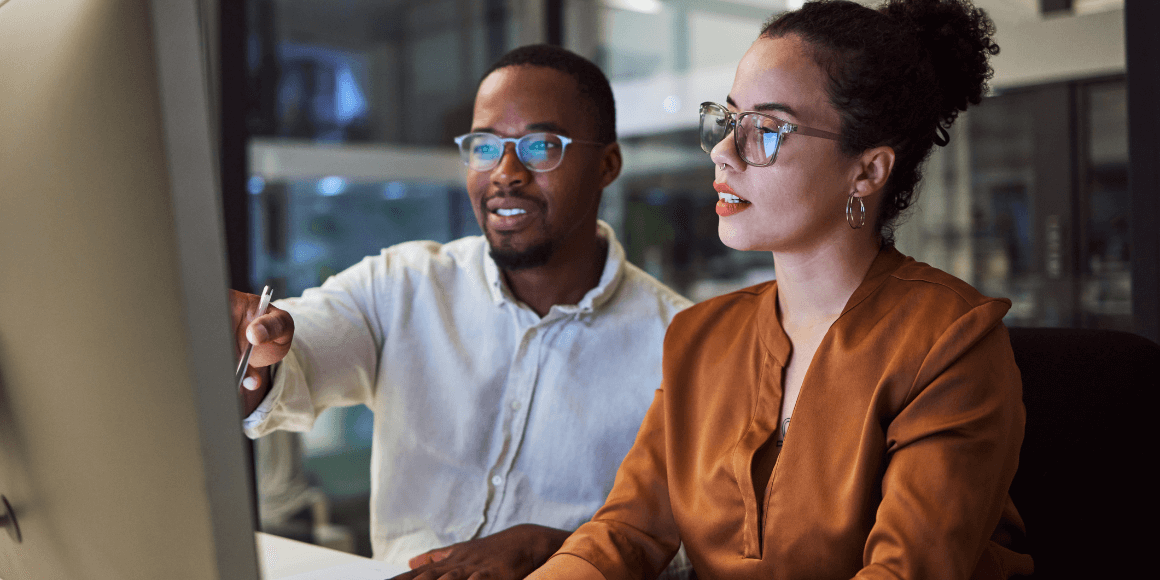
(951, 454)
(634, 534)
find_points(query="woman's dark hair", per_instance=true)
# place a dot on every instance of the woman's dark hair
(899, 76)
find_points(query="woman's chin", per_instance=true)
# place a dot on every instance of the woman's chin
(738, 239)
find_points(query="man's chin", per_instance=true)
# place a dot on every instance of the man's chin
(509, 258)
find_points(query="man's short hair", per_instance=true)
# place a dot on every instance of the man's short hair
(593, 84)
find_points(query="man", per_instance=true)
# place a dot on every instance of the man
(508, 373)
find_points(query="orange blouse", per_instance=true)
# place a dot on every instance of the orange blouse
(904, 441)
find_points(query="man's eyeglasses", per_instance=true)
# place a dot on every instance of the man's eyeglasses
(758, 136)
(537, 151)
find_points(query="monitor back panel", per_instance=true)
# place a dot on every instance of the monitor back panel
(120, 444)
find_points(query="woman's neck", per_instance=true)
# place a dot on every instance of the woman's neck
(813, 287)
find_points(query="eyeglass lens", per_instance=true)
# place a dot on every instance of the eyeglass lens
(758, 137)
(537, 151)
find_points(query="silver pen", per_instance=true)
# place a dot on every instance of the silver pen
(240, 374)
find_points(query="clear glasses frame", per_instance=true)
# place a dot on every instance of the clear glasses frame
(772, 130)
(524, 150)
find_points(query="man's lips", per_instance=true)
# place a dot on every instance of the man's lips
(508, 212)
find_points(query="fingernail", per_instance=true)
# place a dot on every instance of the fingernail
(250, 383)
(257, 334)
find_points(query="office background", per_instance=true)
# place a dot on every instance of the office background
(350, 107)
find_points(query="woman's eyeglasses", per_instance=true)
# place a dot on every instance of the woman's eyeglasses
(537, 151)
(758, 136)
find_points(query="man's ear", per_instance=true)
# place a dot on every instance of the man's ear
(872, 170)
(610, 164)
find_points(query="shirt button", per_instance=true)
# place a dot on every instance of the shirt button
(496, 480)
(515, 405)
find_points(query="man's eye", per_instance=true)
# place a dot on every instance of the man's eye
(485, 149)
(541, 146)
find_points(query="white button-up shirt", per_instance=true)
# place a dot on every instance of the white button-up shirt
(486, 414)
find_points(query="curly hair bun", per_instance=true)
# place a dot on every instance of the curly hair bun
(957, 36)
(899, 76)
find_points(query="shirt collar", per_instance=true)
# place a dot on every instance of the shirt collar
(773, 334)
(593, 299)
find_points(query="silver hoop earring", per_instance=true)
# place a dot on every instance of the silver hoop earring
(722, 166)
(861, 221)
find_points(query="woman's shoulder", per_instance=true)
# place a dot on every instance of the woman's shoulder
(727, 318)
(732, 306)
(926, 281)
(915, 294)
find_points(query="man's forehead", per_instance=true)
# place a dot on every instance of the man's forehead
(524, 98)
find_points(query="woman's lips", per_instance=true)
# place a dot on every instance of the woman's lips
(728, 202)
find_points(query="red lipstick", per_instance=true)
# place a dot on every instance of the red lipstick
(734, 204)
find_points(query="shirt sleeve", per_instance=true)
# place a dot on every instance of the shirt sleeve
(333, 359)
(951, 453)
(634, 535)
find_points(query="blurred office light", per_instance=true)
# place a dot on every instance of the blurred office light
(642, 6)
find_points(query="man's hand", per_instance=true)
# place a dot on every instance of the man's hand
(508, 555)
(270, 334)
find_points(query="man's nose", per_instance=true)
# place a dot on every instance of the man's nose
(511, 171)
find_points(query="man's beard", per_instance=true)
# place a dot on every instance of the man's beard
(533, 257)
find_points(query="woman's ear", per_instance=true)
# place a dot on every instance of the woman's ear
(873, 169)
(610, 164)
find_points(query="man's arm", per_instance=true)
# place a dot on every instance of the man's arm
(508, 555)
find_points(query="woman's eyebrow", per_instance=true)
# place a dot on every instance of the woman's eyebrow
(765, 107)
(775, 107)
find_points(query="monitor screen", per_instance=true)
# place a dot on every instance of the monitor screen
(121, 452)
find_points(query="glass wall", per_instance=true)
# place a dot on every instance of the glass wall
(1030, 202)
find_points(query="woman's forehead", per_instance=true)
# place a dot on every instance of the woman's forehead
(781, 71)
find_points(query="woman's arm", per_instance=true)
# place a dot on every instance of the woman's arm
(952, 452)
(633, 535)
(566, 566)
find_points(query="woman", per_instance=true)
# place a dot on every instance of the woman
(898, 379)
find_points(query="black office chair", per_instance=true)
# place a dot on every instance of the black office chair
(1085, 485)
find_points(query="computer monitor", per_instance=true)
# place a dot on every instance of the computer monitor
(121, 452)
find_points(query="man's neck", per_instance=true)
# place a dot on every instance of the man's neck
(574, 269)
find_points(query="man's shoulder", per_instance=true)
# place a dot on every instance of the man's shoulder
(422, 251)
(431, 257)
(638, 285)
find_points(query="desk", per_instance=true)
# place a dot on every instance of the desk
(280, 557)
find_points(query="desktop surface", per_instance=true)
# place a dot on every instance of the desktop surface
(281, 559)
